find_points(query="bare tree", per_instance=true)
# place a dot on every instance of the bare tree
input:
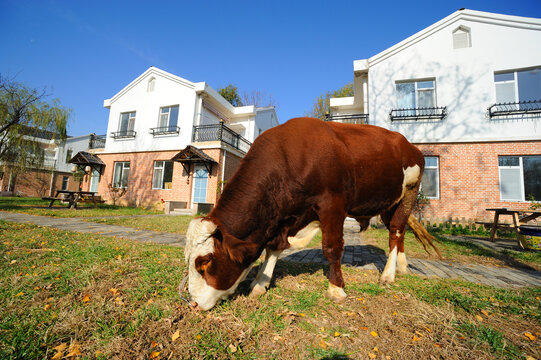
(258, 99)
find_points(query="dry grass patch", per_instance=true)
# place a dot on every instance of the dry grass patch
(166, 223)
(102, 297)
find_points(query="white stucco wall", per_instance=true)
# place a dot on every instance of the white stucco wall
(464, 81)
(75, 144)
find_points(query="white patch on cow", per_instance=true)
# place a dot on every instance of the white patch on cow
(262, 281)
(390, 268)
(336, 293)
(303, 237)
(411, 176)
(402, 263)
(397, 233)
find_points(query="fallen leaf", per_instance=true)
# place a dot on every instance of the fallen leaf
(484, 313)
(86, 298)
(529, 336)
(478, 317)
(415, 338)
(375, 349)
(302, 315)
(47, 307)
(19, 294)
(74, 352)
(336, 334)
(198, 337)
(371, 356)
(153, 344)
(322, 344)
(528, 357)
(113, 291)
(176, 335)
(154, 354)
(437, 345)
(119, 257)
(373, 333)
(61, 347)
(58, 356)
(363, 328)
(232, 348)
(12, 262)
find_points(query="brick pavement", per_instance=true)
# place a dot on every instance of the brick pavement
(356, 252)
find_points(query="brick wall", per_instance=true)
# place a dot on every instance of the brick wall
(469, 177)
(140, 192)
(36, 183)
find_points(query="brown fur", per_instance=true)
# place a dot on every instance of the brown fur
(307, 170)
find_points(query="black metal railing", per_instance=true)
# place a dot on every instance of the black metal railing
(97, 141)
(427, 113)
(123, 134)
(165, 130)
(348, 119)
(515, 108)
(220, 132)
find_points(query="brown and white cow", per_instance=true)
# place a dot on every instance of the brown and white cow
(297, 178)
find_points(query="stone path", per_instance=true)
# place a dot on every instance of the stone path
(356, 252)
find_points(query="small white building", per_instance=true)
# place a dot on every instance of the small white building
(159, 116)
(467, 91)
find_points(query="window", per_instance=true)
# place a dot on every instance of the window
(520, 178)
(163, 175)
(168, 117)
(127, 124)
(151, 84)
(430, 183)
(121, 174)
(461, 38)
(65, 180)
(69, 154)
(417, 100)
(518, 86)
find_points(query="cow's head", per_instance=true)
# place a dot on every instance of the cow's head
(217, 263)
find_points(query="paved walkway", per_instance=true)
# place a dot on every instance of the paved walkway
(356, 253)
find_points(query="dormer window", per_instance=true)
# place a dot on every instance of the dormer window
(461, 37)
(151, 84)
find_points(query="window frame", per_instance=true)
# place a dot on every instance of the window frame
(65, 181)
(417, 90)
(162, 168)
(437, 168)
(124, 167)
(519, 167)
(69, 155)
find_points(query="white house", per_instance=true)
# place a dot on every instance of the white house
(467, 91)
(160, 116)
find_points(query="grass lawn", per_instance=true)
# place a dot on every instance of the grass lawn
(36, 206)
(166, 223)
(67, 294)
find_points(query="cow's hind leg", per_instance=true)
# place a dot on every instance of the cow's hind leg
(396, 220)
(262, 281)
(332, 229)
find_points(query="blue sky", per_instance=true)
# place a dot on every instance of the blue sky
(86, 51)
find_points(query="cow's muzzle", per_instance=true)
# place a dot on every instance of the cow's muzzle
(182, 288)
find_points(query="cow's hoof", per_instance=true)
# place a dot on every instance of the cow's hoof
(336, 293)
(386, 278)
(258, 290)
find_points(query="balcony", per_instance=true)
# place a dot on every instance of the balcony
(97, 141)
(428, 113)
(127, 134)
(220, 132)
(348, 119)
(165, 130)
(517, 108)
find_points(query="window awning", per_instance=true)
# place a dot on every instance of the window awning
(190, 155)
(83, 159)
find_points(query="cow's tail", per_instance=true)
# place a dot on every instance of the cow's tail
(422, 235)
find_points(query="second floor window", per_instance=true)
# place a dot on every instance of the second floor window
(163, 175)
(416, 94)
(168, 117)
(516, 86)
(121, 174)
(127, 122)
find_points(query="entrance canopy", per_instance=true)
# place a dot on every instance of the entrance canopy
(83, 159)
(193, 155)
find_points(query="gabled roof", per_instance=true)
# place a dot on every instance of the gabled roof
(148, 73)
(192, 154)
(83, 158)
(463, 14)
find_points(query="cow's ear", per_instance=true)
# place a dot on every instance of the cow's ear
(202, 263)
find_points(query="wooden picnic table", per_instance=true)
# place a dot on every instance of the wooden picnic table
(73, 197)
(520, 217)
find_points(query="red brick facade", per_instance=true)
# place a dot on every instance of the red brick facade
(35, 183)
(469, 177)
(140, 192)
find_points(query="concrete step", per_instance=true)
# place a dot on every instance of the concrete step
(182, 212)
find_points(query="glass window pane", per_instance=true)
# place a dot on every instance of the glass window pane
(529, 85)
(405, 95)
(426, 98)
(508, 161)
(168, 172)
(157, 178)
(173, 118)
(510, 187)
(504, 77)
(431, 161)
(425, 84)
(124, 119)
(118, 174)
(505, 92)
(125, 176)
(532, 177)
(429, 183)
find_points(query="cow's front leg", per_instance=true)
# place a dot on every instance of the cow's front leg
(262, 280)
(332, 229)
